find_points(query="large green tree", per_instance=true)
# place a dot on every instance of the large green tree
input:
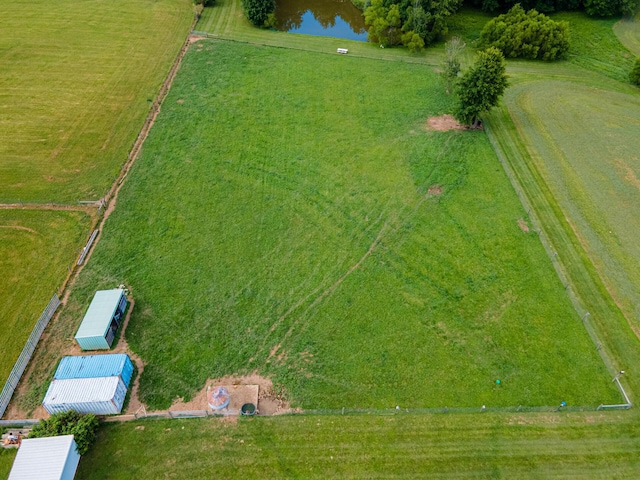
(526, 35)
(481, 87)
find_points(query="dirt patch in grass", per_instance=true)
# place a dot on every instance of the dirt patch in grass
(269, 401)
(435, 190)
(444, 123)
(523, 225)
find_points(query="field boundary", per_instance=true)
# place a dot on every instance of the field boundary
(21, 364)
(545, 239)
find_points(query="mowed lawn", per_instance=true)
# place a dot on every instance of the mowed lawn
(586, 144)
(76, 83)
(290, 214)
(371, 446)
(36, 247)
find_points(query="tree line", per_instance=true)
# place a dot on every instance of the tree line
(596, 8)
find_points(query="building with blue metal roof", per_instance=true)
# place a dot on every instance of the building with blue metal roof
(101, 322)
(94, 366)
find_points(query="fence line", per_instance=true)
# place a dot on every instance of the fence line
(172, 414)
(87, 247)
(20, 365)
(558, 266)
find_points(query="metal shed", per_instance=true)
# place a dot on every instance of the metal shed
(50, 458)
(101, 322)
(101, 396)
(94, 366)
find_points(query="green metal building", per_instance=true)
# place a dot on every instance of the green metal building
(101, 322)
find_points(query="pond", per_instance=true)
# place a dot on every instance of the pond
(323, 18)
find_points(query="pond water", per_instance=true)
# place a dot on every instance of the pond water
(323, 18)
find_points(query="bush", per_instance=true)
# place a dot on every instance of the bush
(520, 34)
(634, 75)
(82, 427)
(258, 11)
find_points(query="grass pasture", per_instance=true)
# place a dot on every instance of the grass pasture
(587, 149)
(297, 230)
(36, 247)
(402, 446)
(628, 32)
(76, 83)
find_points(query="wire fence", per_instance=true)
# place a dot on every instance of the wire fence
(560, 270)
(172, 414)
(20, 365)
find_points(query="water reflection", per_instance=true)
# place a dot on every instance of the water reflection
(325, 18)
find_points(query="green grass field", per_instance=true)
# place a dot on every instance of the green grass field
(77, 82)
(587, 149)
(402, 446)
(6, 461)
(628, 32)
(37, 247)
(290, 230)
(569, 132)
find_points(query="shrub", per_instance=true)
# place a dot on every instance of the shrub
(258, 11)
(526, 35)
(634, 75)
(82, 427)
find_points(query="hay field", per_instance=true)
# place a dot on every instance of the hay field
(77, 82)
(37, 247)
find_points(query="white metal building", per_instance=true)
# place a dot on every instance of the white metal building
(50, 458)
(100, 396)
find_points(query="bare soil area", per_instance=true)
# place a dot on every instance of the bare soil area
(251, 388)
(444, 123)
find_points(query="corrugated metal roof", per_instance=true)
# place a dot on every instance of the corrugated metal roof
(46, 459)
(102, 396)
(98, 317)
(93, 366)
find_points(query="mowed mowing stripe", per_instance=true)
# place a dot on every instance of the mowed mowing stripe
(90, 72)
(628, 32)
(620, 345)
(400, 446)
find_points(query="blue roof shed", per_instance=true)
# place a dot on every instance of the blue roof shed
(100, 323)
(93, 366)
